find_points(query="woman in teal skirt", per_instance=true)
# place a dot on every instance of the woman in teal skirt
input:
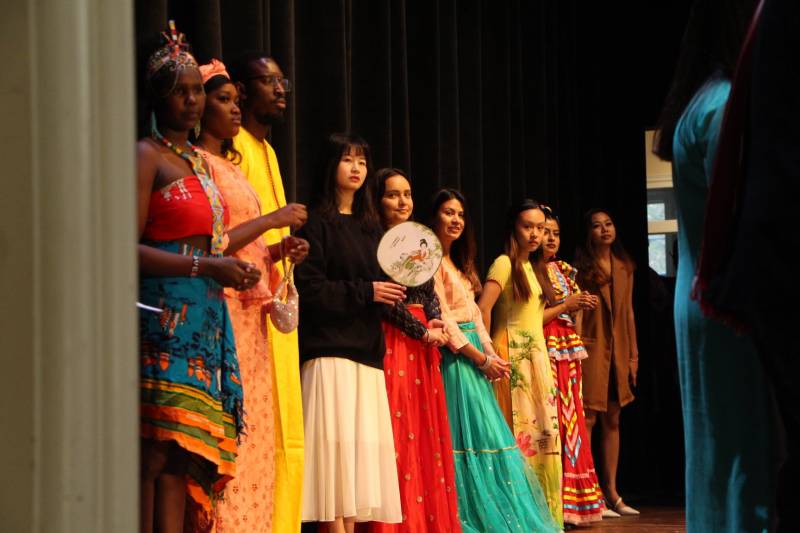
(497, 490)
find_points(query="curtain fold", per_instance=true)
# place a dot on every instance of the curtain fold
(503, 101)
(499, 100)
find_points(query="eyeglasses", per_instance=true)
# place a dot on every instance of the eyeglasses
(275, 81)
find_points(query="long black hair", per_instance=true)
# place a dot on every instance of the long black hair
(326, 202)
(711, 45)
(586, 259)
(521, 288)
(464, 249)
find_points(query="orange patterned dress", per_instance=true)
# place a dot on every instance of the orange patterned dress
(247, 505)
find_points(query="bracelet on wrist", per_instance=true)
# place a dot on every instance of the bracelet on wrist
(487, 362)
(195, 266)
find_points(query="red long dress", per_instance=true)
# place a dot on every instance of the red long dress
(419, 419)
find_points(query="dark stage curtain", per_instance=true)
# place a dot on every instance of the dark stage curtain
(503, 100)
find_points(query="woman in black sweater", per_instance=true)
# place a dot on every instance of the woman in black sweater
(350, 470)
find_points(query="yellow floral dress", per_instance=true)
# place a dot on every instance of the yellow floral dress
(518, 337)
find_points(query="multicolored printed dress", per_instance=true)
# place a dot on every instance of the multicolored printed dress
(583, 499)
(419, 418)
(191, 391)
(517, 336)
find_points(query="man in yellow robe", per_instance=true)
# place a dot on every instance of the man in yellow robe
(262, 96)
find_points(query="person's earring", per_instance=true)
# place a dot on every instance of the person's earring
(153, 124)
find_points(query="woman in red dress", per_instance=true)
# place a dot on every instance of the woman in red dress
(582, 497)
(413, 331)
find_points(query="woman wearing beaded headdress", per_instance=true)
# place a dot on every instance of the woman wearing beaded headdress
(191, 395)
(248, 503)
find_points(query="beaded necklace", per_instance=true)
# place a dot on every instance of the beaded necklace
(199, 169)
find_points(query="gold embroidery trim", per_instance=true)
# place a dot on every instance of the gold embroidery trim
(470, 450)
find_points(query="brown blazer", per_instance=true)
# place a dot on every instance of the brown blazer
(609, 334)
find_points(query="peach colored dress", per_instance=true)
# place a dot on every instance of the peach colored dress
(260, 164)
(247, 505)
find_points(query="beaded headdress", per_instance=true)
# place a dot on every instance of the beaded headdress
(174, 55)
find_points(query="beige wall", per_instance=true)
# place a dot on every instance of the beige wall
(68, 399)
(659, 172)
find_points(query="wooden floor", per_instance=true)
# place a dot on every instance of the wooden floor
(652, 519)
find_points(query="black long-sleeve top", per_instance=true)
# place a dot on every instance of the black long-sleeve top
(338, 317)
(399, 315)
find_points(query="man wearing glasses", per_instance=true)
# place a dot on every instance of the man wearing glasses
(262, 98)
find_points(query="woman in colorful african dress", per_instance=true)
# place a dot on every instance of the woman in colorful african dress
(412, 368)
(247, 506)
(583, 499)
(512, 304)
(191, 395)
(497, 489)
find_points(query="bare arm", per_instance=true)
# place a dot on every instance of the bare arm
(155, 262)
(294, 215)
(552, 312)
(572, 304)
(489, 295)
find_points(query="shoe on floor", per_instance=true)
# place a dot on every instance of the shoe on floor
(608, 513)
(623, 509)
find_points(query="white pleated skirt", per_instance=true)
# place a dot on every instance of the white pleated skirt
(350, 465)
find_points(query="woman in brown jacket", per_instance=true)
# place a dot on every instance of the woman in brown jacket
(609, 334)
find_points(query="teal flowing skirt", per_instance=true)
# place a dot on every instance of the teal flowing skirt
(497, 490)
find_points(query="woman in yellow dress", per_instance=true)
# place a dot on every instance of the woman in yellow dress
(515, 292)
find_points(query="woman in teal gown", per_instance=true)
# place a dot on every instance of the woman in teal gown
(727, 410)
(497, 490)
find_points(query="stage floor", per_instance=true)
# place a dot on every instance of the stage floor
(652, 519)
